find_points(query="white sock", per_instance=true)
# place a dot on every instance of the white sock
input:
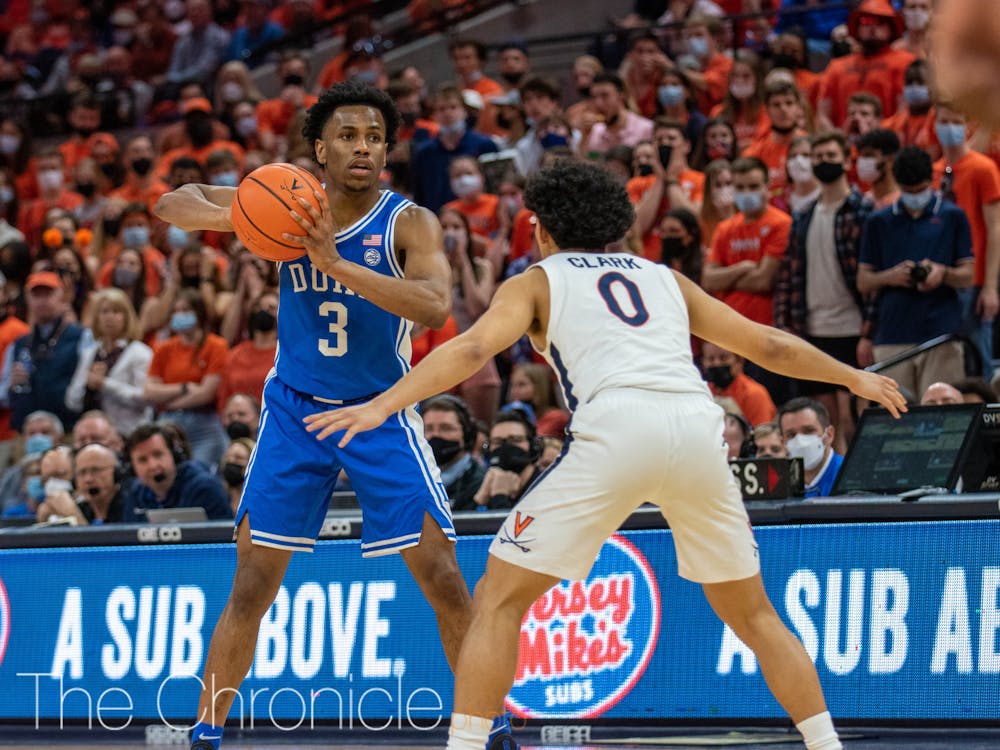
(818, 732)
(468, 732)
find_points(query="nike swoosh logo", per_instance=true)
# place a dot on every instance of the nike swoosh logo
(209, 737)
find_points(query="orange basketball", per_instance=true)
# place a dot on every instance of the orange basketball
(260, 209)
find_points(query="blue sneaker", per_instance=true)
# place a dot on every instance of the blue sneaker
(202, 745)
(500, 737)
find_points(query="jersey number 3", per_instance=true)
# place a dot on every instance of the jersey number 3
(612, 282)
(338, 327)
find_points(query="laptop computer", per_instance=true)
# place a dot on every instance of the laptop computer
(924, 449)
(194, 514)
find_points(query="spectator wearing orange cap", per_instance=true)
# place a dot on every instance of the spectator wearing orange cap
(877, 68)
(175, 134)
(52, 193)
(198, 124)
(141, 185)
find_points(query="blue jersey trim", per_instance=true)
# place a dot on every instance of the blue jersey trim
(571, 401)
(405, 418)
(390, 243)
(361, 223)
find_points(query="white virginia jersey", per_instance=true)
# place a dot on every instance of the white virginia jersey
(617, 321)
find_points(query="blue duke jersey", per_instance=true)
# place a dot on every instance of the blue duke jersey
(333, 343)
(616, 321)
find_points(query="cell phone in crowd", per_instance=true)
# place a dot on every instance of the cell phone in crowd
(665, 153)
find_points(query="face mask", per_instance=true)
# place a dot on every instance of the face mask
(511, 206)
(784, 60)
(232, 92)
(510, 458)
(9, 144)
(869, 169)
(135, 237)
(369, 77)
(800, 168)
(670, 96)
(645, 170)
(122, 37)
(86, 189)
(191, 282)
(293, 79)
(227, 179)
(36, 491)
(183, 321)
(6, 195)
(742, 91)
(809, 448)
(109, 170)
(871, 47)
(232, 474)
(720, 376)
(840, 48)
(828, 172)
(263, 321)
(450, 243)
(237, 430)
(124, 278)
(748, 203)
(247, 126)
(917, 94)
(445, 451)
(54, 486)
(50, 179)
(512, 78)
(37, 444)
(916, 19)
(724, 197)
(698, 46)
(551, 140)
(951, 134)
(84, 132)
(672, 247)
(917, 201)
(142, 165)
(583, 92)
(410, 119)
(177, 238)
(173, 10)
(199, 130)
(466, 185)
(452, 130)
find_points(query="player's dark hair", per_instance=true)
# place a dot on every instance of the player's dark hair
(580, 205)
(883, 140)
(350, 94)
(801, 403)
(912, 166)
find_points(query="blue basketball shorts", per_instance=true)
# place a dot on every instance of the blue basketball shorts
(291, 476)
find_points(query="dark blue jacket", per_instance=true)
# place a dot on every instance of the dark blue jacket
(53, 361)
(193, 487)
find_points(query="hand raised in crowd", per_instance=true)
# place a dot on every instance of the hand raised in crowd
(96, 376)
(249, 279)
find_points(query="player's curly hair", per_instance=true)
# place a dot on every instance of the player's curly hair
(350, 94)
(580, 205)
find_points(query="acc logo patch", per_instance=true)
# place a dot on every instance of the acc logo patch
(372, 256)
(585, 644)
(4, 621)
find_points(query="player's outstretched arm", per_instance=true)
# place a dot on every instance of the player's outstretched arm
(197, 206)
(779, 351)
(510, 315)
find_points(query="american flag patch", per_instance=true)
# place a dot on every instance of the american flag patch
(371, 239)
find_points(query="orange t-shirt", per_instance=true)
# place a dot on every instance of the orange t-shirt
(976, 184)
(752, 398)
(693, 185)
(273, 115)
(132, 192)
(481, 213)
(406, 132)
(880, 74)
(716, 74)
(75, 149)
(31, 215)
(772, 149)
(175, 361)
(333, 71)
(747, 130)
(808, 83)
(152, 259)
(488, 89)
(430, 339)
(522, 234)
(739, 239)
(10, 331)
(246, 370)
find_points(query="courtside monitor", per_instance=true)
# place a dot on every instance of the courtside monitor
(925, 447)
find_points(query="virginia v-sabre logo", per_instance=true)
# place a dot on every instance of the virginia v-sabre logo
(585, 644)
(4, 620)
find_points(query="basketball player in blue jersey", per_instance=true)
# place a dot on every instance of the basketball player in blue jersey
(373, 264)
(644, 428)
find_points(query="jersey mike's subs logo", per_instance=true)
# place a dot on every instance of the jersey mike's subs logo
(585, 644)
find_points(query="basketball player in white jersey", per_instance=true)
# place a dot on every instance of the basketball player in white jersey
(616, 328)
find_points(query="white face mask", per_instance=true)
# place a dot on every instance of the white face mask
(868, 170)
(232, 92)
(742, 91)
(466, 184)
(916, 19)
(800, 168)
(809, 448)
(9, 144)
(50, 179)
(724, 197)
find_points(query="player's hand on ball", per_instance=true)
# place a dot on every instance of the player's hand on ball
(880, 389)
(318, 239)
(353, 419)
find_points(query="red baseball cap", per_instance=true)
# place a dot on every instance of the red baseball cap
(43, 278)
(196, 104)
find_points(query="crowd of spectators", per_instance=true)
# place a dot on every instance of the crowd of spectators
(798, 166)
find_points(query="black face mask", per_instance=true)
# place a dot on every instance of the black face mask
(828, 172)
(84, 132)
(262, 321)
(512, 78)
(232, 474)
(511, 458)
(840, 48)
(503, 122)
(784, 60)
(192, 282)
(873, 46)
(720, 376)
(445, 451)
(199, 130)
(293, 79)
(672, 247)
(409, 118)
(142, 166)
(109, 170)
(86, 189)
(237, 430)
(111, 227)
(584, 92)
(645, 170)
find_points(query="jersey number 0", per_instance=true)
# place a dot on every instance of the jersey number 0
(606, 286)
